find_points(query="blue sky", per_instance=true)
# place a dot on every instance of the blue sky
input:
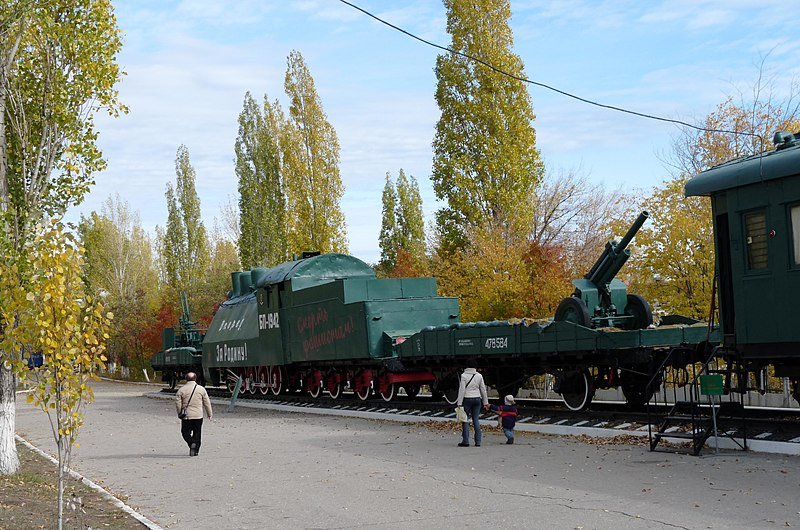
(190, 63)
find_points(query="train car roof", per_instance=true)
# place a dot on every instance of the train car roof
(316, 270)
(782, 162)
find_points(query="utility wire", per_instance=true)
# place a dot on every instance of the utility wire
(543, 85)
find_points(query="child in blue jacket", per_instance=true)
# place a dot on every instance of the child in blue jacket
(508, 417)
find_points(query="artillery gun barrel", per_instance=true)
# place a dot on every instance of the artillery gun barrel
(633, 230)
(614, 256)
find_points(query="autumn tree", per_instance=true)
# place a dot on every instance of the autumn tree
(571, 216)
(501, 275)
(185, 243)
(410, 221)
(57, 69)
(119, 267)
(55, 315)
(216, 281)
(486, 165)
(673, 264)
(311, 178)
(387, 239)
(262, 205)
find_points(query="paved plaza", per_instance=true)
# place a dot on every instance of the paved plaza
(271, 469)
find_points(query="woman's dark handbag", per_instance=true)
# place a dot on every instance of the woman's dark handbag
(184, 414)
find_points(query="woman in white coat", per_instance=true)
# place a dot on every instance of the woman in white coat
(472, 395)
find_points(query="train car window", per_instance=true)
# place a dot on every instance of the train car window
(794, 214)
(755, 226)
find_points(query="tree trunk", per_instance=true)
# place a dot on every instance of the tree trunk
(61, 472)
(3, 157)
(9, 461)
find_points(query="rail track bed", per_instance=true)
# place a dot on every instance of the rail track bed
(764, 424)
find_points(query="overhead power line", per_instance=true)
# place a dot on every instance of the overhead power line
(539, 84)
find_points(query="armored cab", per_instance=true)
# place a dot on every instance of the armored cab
(319, 311)
(755, 205)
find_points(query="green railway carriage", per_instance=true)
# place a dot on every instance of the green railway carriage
(756, 212)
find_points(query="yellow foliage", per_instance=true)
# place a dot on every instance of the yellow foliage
(498, 276)
(54, 316)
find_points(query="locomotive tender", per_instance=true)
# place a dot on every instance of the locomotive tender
(325, 323)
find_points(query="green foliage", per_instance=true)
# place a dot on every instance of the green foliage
(311, 178)
(486, 165)
(262, 205)
(119, 267)
(185, 243)
(402, 229)
(57, 69)
(387, 240)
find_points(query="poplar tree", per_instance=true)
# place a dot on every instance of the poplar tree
(57, 69)
(410, 221)
(185, 243)
(262, 208)
(387, 241)
(486, 165)
(313, 185)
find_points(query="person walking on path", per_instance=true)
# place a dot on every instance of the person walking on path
(194, 399)
(471, 394)
(508, 417)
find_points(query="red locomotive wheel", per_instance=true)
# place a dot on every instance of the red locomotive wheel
(263, 386)
(388, 393)
(315, 384)
(276, 380)
(363, 384)
(333, 384)
(251, 380)
(386, 389)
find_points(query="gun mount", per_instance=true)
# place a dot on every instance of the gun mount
(182, 348)
(601, 300)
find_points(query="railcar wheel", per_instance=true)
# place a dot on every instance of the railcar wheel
(634, 388)
(335, 391)
(451, 395)
(263, 386)
(576, 390)
(639, 309)
(277, 380)
(572, 309)
(412, 390)
(251, 381)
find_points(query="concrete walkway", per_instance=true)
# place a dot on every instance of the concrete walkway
(270, 469)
